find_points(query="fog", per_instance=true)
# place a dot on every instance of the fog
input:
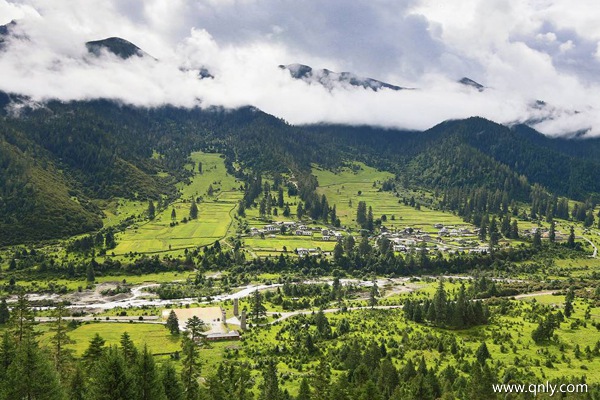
(521, 52)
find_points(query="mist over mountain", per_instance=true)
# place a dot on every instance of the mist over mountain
(117, 46)
(330, 79)
(45, 57)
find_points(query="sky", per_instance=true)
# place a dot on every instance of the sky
(521, 51)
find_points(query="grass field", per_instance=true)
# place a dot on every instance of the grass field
(342, 189)
(156, 336)
(215, 213)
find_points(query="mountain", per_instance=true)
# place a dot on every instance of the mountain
(57, 160)
(330, 79)
(470, 82)
(117, 46)
(5, 31)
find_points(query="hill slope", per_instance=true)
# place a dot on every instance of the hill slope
(57, 158)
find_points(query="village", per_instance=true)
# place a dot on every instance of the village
(437, 238)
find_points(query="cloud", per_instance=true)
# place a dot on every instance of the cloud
(521, 51)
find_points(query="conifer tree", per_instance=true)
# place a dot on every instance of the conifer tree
(257, 308)
(514, 229)
(569, 302)
(22, 318)
(321, 381)
(300, 210)
(30, 375)
(171, 384)
(571, 240)
(280, 198)
(148, 383)
(194, 327)
(193, 210)
(111, 377)
(8, 350)
(173, 323)
(90, 274)
(151, 210)
(94, 351)
(374, 293)
(60, 339)
(190, 371)
(361, 214)
(537, 239)
(439, 304)
(482, 353)
(370, 225)
(128, 349)
(173, 215)
(4, 312)
(269, 388)
(304, 391)
(77, 386)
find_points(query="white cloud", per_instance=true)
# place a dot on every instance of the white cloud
(522, 51)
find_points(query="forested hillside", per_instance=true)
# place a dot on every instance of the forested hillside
(57, 158)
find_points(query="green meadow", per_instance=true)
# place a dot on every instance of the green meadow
(215, 213)
(342, 188)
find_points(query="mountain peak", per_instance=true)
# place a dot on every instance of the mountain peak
(117, 46)
(329, 78)
(470, 82)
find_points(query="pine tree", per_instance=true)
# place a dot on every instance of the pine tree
(374, 293)
(171, 384)
(111, 377)
(349, 243)
(4, 312)
(241, 209)
(30, 375)
(148, 383)
(388, 378)
(269, 388)
(194, 327)
(8, 350)
(200, 166)
(304, 391)
(482, 353)
(210, 190)
(94, 351)
(77, 386)
(370, 225)
(173, 323)
(193, 210)
(321, 381)
(537, 239)
(22, 318)
(460, 309)
(151, 210)
(190, 371)
(361, 214)
(569, 302)
(173, 215)
(262, 208)
(571, 240)
(439, 304)
(60, 339)
(257, 309)
(280, 198)
(552, 233)
(514, 229)
(300, 210)
(90, 274)
(128, 349)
